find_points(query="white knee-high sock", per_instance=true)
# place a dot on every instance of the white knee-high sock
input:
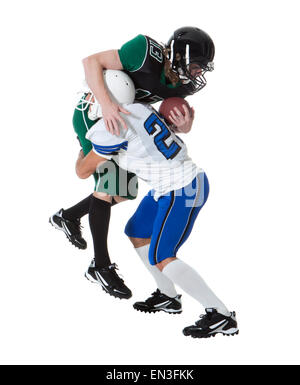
(190, 281)
(163, 283)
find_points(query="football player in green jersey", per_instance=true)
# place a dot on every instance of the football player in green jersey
(158, 72)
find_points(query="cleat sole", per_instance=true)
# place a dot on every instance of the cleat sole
(211, 335)
(155, 311)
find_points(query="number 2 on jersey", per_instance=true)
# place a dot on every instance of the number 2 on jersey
(168, 151)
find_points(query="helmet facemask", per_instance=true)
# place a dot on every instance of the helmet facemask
(192, 70)
(198, 81)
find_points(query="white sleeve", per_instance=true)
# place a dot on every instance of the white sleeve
(104, 143)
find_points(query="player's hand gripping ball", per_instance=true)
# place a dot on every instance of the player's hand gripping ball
(169, 106)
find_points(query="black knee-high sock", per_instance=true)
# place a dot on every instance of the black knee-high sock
(99, 216)
(79, 210)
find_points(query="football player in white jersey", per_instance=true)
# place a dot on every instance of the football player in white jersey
(166, 215)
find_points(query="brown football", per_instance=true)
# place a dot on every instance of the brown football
(168, 104)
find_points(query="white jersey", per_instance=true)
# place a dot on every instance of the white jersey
(148, 148)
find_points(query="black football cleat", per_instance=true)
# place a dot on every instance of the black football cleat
(160, 302)
(108, 278)
(211, 324)
(72, 229)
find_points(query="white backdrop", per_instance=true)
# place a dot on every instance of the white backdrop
(246, 137)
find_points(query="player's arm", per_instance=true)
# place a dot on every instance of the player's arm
(105, 145)
(87, 165)
(130, 58)
(93, 68)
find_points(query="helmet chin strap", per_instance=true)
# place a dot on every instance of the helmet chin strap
(182, 76)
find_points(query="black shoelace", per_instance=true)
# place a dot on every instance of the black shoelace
(204, 319)
(112, 268)
(75, 226)
(153, 296)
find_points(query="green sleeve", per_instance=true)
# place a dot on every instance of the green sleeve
(132, 53)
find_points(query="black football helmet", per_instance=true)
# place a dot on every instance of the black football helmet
(191, 48)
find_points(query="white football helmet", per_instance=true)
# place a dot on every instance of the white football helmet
(121, 91)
